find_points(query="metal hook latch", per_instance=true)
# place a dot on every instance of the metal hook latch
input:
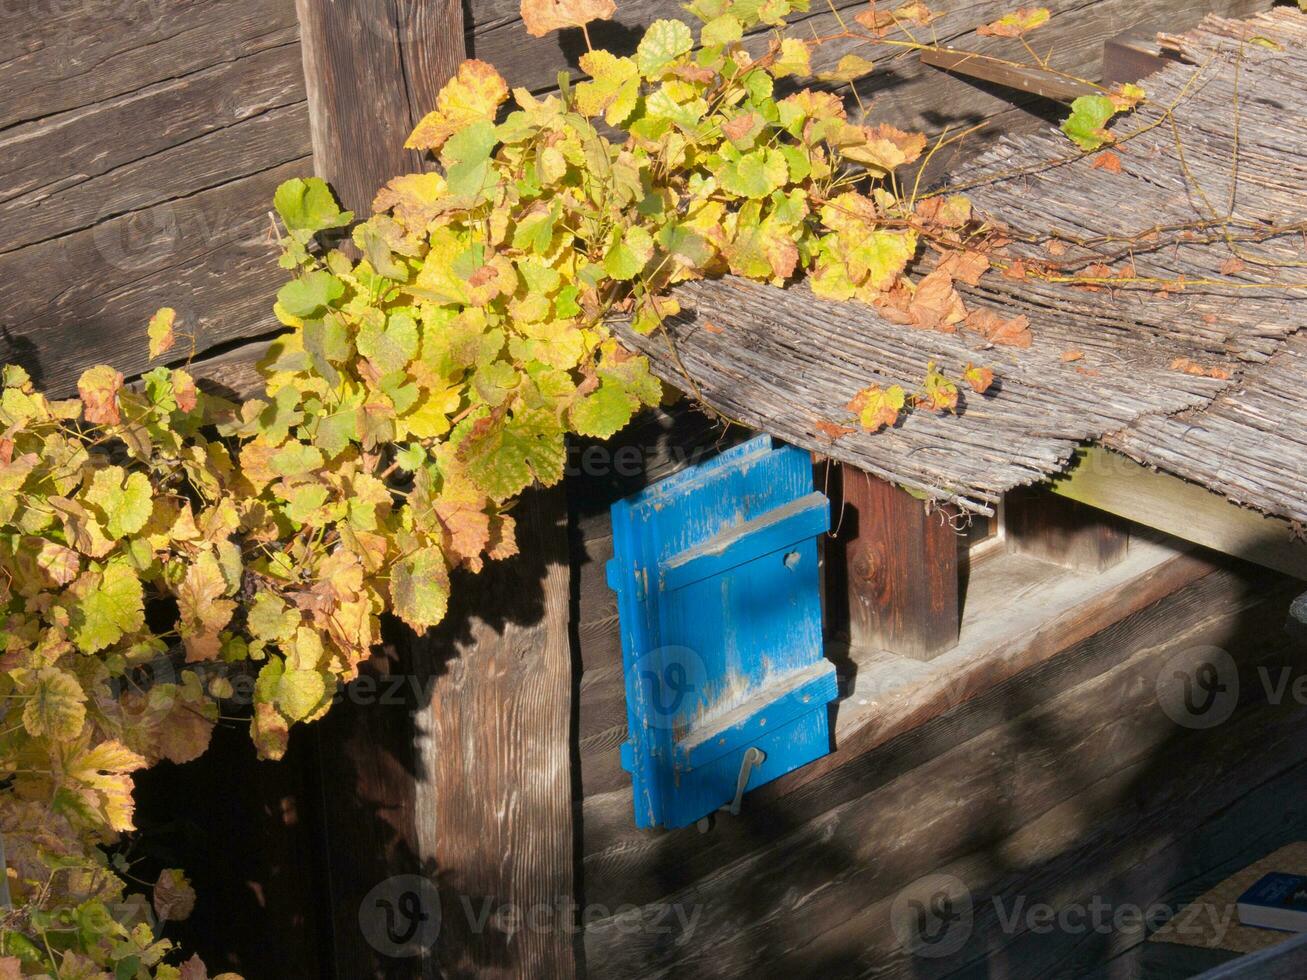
(753, 756)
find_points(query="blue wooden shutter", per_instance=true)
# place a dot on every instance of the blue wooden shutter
(717, 586)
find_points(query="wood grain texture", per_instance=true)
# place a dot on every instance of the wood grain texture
(66, 56)
(1053, 528)
(785, 361)
(373, 68)
(210, 255)
(1025, 625)
(495, 817)
(137, 172)
(1111, 482)
(68, 171)
(1100, 789)
(901, 568)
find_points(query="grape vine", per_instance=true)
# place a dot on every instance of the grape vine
(159, 542)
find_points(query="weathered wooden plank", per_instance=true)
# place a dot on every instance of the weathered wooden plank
(495, 817)
(911, 717)
(64, 56)
(1052, 528)
(209, 255)
(972, 799)
(1001, 71)
(355, 72)
(158, 143)
(1114, 483)
(901, 568)
(354, 66)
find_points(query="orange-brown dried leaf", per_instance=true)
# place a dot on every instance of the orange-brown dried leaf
(878, 407)
(967, 266)
(1107, 160)
(936, 305)
(99, 387)
(832, 430)
(543, 16)
(1014, 332)
(979, 378)
(1189, 366)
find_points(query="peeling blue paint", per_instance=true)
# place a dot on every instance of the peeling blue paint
(717, 586)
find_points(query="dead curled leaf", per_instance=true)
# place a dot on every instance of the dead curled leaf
(1014, 332)
(881, 20)
(967, 266)
(543, 16)
(935, 304)
(832, 430)
(980, 378)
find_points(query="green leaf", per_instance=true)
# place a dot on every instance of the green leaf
(722, 29)
(126, 503)
(755, 174)
(664, 41)
(419, 588)
(389, 344)
(307, 206)
(628, 253)
(296, 459)
(55, 705)
(504, 456)
(467, 159)
(1089, 114)
(270, 619)
(111, 603)
(311, 294)
(604, 411)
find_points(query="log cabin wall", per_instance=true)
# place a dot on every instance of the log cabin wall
(1069, 783)
(140, 143)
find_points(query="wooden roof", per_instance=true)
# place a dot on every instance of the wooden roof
(1215, 155)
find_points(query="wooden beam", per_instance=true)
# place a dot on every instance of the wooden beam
(1114, 483)
(1064, 532)
(361, 64)
(1133, 55)
(495, 801)
(901, 567)
(999, 71)
(372, 68)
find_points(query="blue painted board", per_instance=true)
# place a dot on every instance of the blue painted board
(718, 597)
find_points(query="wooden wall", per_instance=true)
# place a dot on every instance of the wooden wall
(1060, 785)
(140, 143)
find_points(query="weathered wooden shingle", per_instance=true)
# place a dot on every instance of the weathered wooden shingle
(785, 361)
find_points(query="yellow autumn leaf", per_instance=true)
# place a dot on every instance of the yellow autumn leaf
(99, 387)
(878, 407)
(160, 332)
(473, 95)
(1016, 23)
